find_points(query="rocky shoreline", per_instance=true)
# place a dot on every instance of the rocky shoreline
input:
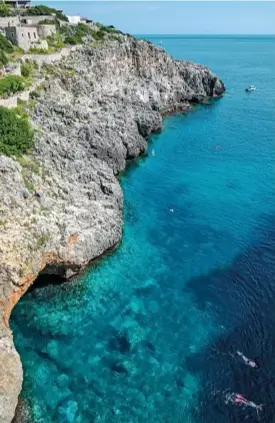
(61, 206)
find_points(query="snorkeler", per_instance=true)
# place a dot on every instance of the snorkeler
(250, 363)
(238, 399)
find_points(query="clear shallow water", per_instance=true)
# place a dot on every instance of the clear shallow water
(144, 335)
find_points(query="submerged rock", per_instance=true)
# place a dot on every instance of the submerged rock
(89, 125)
(120, 343)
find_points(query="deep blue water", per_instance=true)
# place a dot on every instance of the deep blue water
(145, 334)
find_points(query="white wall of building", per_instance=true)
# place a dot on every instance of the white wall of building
(74, 19)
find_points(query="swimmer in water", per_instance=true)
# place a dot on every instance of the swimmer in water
(153, 152)
(238, 399)
(250, 363)
(217, 148)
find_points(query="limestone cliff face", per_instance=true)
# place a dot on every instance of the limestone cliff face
(62, 206)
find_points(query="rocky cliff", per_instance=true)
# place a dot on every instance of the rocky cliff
(61, 206)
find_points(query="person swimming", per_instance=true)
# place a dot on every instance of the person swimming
(247, 361)
(239, 399)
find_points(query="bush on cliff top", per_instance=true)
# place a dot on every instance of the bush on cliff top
(11, 84)
(16, 134)
(74, 34)
(45, 10)
(77, 33)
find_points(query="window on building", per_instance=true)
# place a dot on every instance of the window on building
(29, 35)
(22, 34)
(34, 34)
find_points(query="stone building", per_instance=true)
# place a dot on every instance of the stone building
(74, 19)
(25, 37)
(18, 3)
(24, 20)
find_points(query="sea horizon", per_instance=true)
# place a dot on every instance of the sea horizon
(206, 35)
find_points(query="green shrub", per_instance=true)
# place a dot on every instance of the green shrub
(55, 40)
(72, 40)
(5, 44)
(75, 34)
(47, 22)
(29, 164)
(44, 10)
(39, 50)
(27, 69)
(5, 10)
(16, 134)
(3, 58)
(34, 94)
(11, 84)
(115, 38)
(109, 28)
(99, 35)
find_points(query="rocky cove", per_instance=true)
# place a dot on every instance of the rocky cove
(62, 206)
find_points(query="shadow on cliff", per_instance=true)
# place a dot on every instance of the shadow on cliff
(242, 298)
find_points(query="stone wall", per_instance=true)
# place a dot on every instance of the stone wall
(33, 20)
(11, 102)
(9, 21)
(46, 30)
(41, 59)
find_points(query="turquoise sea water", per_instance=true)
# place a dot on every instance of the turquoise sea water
(145, 334)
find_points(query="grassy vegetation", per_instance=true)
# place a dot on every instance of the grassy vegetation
(53, 70)
(6, 47)
(3, 58)
(29, 164)
(5, 44)
(28, 69)
(27, 182)
(44, 10)
(16, 134)
(109, 29)
(56, 41)
(48, 22)
(115, 38)
(42, 50)
(5, 10)
(11, 84)
(76, 34)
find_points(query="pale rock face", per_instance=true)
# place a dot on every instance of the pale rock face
(69, 212)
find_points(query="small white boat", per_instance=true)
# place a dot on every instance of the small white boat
(250, 88)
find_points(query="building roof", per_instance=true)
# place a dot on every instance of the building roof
(17, 2)
(86, 19)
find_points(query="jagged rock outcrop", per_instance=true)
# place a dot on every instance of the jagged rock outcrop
(62, 206)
